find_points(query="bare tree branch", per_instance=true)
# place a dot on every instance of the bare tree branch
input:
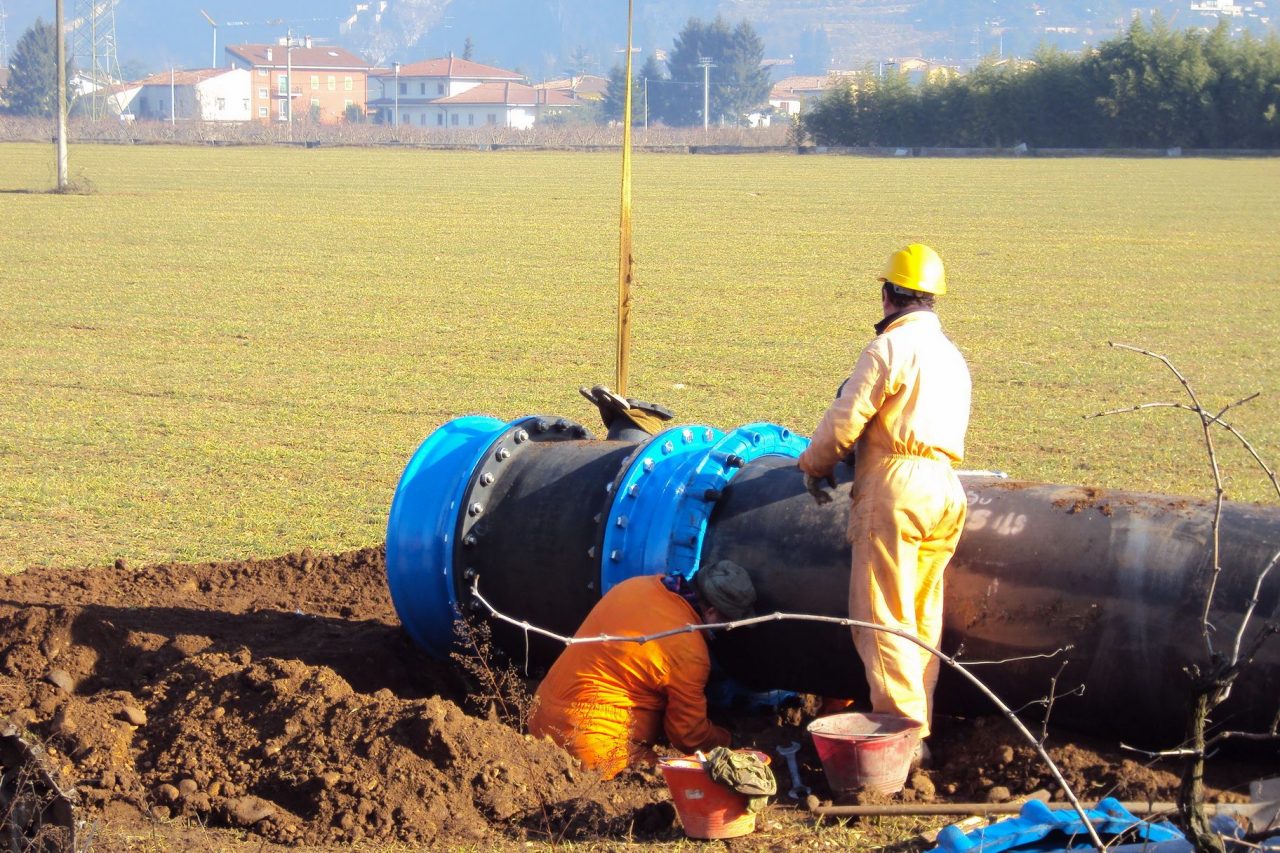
(1248, 611)
(1212, 686)
(1215, 571)
(1048, 701)
(832, 620)
(1045, 656)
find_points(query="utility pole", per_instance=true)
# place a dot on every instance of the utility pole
(395, 122)
(173, 99)
(288, 79)
(646, 104)
(61, 59)
(706, 64)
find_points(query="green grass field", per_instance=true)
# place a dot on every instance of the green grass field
(231, 352)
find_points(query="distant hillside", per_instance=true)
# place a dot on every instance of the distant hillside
(545, 38)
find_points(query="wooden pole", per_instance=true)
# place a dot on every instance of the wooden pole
(60, 57)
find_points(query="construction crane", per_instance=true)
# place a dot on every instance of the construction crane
(274, 23)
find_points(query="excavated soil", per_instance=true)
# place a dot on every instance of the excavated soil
(280, 698)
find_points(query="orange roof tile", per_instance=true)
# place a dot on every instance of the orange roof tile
(451, 66)
(187, 77)
(581, 84)
(323, 56)
(508, 94)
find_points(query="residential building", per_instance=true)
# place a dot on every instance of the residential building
(579, 87)
(204, 94)
(508, 104)
(789, 95)
(456, 93)
(327, 81)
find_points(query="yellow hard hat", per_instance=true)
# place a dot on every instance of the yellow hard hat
(916, 267)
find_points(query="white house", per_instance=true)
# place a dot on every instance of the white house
(452, 92)
(205, 94)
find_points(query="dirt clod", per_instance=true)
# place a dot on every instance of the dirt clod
(61, 679)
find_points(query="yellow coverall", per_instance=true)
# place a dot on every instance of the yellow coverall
(607, 702)
(904, 410)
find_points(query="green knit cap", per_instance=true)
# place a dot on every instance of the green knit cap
(727, 587)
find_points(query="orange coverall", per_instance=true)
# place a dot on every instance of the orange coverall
(905, 408)
(607, 702)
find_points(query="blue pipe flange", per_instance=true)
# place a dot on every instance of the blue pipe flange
(664, 497)
(421, 526)
(439, 497)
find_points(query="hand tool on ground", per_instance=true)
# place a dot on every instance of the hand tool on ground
(788, 752)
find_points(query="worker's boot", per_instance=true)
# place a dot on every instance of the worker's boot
(921, 759)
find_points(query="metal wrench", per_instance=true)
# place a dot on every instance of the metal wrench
(788, 752)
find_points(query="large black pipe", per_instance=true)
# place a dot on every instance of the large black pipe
(547, 519)
(1119, 577)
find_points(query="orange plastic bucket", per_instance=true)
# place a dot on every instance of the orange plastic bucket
(706, 808)
(865, 751)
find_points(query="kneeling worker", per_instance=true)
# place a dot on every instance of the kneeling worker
(608, 702)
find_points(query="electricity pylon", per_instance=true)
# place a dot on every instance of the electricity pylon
(92, 29)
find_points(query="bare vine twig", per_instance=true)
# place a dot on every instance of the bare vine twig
(1212, 685)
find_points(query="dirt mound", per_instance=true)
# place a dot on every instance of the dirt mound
(282, 698)
(275, 696)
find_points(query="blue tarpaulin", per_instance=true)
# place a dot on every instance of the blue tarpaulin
(1039, 828)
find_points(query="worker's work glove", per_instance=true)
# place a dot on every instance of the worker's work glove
(813, 485)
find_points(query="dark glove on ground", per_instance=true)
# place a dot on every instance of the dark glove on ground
(813, 485)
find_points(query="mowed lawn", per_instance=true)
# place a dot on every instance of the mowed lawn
(221, 353)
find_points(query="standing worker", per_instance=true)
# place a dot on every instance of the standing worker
(903, 413)
(608, 702)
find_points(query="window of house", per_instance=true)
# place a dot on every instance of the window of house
(405, 118)
(315, 81)
(404, 88)
(284, 84)
(439, 88)
(284, 109)
(493, 118)
(422, 119)
(347, 84)
(262, 93)
(220, 103)
(333, 83)
(315, 102)
(471, 119)
(422, 88)
(142, 103)
(262, 112)
(453, 120)
(262, 72)
(440, 119)
(346, 104)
